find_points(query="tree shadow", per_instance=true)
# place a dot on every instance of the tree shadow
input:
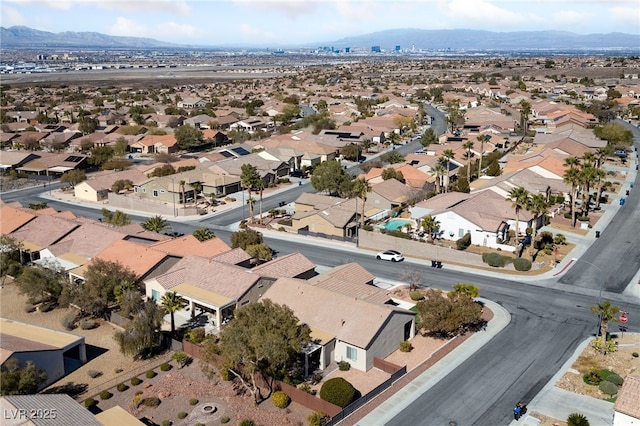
(70, 388)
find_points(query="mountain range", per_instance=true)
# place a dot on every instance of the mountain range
(18, 37)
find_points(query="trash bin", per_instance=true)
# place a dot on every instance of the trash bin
(627, 192)
(622, 201)
(597, 234)
(631, 185)
(433, 263)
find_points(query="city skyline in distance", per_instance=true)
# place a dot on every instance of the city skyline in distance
(263, 23)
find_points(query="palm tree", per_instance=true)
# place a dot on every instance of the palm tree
(482, 139)
(519, 200)
(203, 234)
(600, 175)
(260, 188)
(155, 224)
(606, 312)
(468, 146)
(249, 179)
(572, 177)
(172, 303)
(448, 154)
(537, 206)
(360, 189)
(465, 289)
(525, 110)
(577, 419)
(182, 183)
(430, 224)
(439, 172)
(588, 175)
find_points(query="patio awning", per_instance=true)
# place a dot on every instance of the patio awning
(198, 294)
(320, 336)
(60, 169)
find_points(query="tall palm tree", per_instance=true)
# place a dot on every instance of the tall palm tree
(155, 224)
(519, 199)
(203, 234)
(260, 188)
(572, 177)
(606, 312)
(360, 189)
(448, 155)
(525, 110)
(537, 206)
(182, 183)
(249, 179)
(588, 175)
(468, 146)
(600, 175)
(430, 224)
(172, 303)
(439, 172)
(482, 139)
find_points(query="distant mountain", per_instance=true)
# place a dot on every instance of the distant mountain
(471, 40)
(488, 40)
(24, 37)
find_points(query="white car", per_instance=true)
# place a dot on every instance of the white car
(391, 255)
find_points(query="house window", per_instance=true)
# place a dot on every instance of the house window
(352, 353)
(460, 232)
(155, 295)
(155, 192)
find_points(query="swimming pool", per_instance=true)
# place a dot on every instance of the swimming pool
(397, 224)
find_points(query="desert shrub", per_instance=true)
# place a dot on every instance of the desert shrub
(337, 391)
(577, 419)
(150, 374)
(583, 218)
(167, 423)
(344, 366)
(94, 373)
(28, 308)
(305, 387)
(495, 259)
(225, 373)
(193, 401)
(118, 370)
(105, 394)
(46, 307)
(521, 264)
(635, 355)
(247, 422)
(181, 358)
(152, 401)
(88, 324)
(607, 387)
(122, 387)
(614, 378)
(416, 295)
(89, 402)
(225, 419)
(165, 366)
(135, 381)
(318, 418)
(182, 415)
(69, 321)
(280, 399)
(463, 242)
(611, 345)
(195, 335)
(406, 346)
(592, 377)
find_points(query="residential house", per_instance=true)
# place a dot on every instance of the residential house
(189, 245)
(352, 280)
(13, 219)
(155, 143)
(190, 103)
(331, 216)
(269, 170)
(98, 186)
(40, 233)
(390, 194)
(51, 164)
(343, 327)
(56, 352)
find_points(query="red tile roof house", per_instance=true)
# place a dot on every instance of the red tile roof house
(216, 289)
(155, 143)
(626, 408)
(343, 327)
(41, 232)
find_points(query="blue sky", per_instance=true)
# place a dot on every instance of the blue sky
(277, 22)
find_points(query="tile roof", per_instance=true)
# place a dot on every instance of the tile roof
(232, 257)
(394, 191)
(353, 280)
(12, 219)
(291, 265)
(188, 244)
(352, 320)
(44, 231)
(68, 412)
(628, 397)
(139, 258)
(19, 336)
(222, 279)
(83, 241)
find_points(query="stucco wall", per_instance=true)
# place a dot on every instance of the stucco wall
(389, 338)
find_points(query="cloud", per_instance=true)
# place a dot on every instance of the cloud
(251, 33)
(291, 8)
(166, 31)
(128, 28)
(480, 12)
(10, 16)
(569, 18)
(179, 7)
(627, 16)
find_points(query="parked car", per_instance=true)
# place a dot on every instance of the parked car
(391, 255)
(621, 153)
